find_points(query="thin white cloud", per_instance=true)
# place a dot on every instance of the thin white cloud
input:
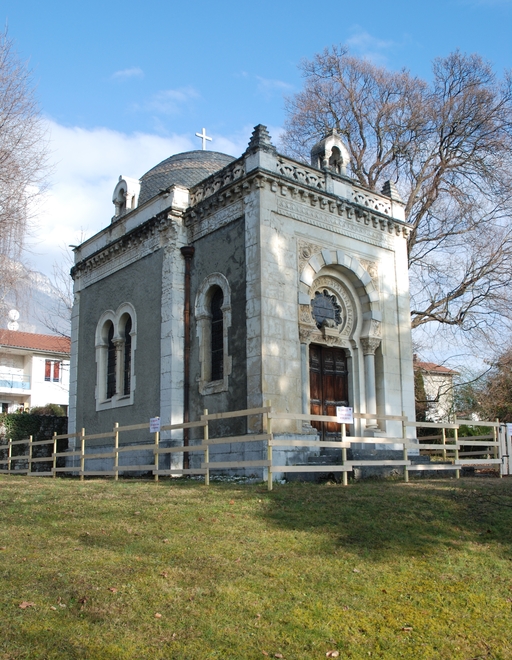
(86, 167)
(124, 74)
(365, 45)
(169, 101)
(269, 87)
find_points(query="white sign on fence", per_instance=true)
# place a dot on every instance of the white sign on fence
(154, 425)
(344, 415)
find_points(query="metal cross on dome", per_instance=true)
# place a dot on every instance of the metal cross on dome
(204, 137)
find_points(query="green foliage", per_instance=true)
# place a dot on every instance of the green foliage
(387, 570)
(420, 397)
(50, 409)
(19, 426)
(495, 392)
(22, 425)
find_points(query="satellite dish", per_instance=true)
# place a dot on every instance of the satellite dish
(14, 315)
(13, 325)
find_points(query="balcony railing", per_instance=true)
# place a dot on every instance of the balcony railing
(14, 381)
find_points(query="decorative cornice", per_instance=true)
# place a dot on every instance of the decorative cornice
(217, 181)
(128, 241)
(305, 193)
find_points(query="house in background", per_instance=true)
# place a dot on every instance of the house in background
(34, 370)
(438, 387)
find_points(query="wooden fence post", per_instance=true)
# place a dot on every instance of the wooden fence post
(344, 452)
(207, 450)
(157, 442)
(269, 447)
(9, 456)
(405, 452)
(116, 452)
(29, 454)
(495, 448)
(82, 455)
(54, 464)
(444, 443)
(456, 437)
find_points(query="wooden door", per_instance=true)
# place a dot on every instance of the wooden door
(328, 382)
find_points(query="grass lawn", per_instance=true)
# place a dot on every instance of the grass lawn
(135, 570)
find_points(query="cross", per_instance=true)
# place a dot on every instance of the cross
(203, 137)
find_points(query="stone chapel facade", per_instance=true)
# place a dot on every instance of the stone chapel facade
(290, 282)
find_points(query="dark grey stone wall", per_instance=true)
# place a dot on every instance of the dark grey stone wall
(139, 284)
(223, 251)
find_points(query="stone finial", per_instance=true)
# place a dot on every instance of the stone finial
(331, 154)
(390, 190)
(126, 195)
(260, 139)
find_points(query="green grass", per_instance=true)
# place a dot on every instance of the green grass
(378, 569)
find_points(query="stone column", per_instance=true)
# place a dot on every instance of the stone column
(305, 339)
(304, 359)
(119, 344)
(370, 345)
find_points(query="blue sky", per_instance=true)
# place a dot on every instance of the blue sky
(124, 85)
(169, 68)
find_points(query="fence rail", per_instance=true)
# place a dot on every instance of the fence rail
(494, 449)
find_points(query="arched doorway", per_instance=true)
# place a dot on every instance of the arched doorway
(328, 385)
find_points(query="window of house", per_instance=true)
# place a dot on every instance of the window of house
(213, 320)
(115, 350)
(52, 370)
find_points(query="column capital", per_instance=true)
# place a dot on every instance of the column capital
(370, 345)
(305, 335)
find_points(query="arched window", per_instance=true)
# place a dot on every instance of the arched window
(213, 319)
(111, 363)
(116, 336)
(217, 334)
(127, 362)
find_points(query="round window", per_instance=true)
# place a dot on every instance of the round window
(326, 309)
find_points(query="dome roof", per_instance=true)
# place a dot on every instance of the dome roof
(186, 169)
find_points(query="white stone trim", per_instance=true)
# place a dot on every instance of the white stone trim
(126, 195)
(203, 321)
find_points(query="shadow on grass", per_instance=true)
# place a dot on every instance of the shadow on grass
(380, 519)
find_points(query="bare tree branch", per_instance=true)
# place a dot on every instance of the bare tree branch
(448, 147)
(23, 159)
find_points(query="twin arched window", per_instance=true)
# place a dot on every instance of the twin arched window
(115, 346)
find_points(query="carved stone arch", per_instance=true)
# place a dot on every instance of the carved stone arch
(361, 280)
(101, 327)
(122, 312)
(204, 292)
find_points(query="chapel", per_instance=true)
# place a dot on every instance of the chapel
(224, 283)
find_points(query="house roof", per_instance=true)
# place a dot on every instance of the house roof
(433, 368)
(35, 342)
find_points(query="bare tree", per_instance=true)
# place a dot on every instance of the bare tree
(57, 316)
(493, 392)
(448, 146)
(23, 153)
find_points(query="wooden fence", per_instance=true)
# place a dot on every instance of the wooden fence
(445, 446)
